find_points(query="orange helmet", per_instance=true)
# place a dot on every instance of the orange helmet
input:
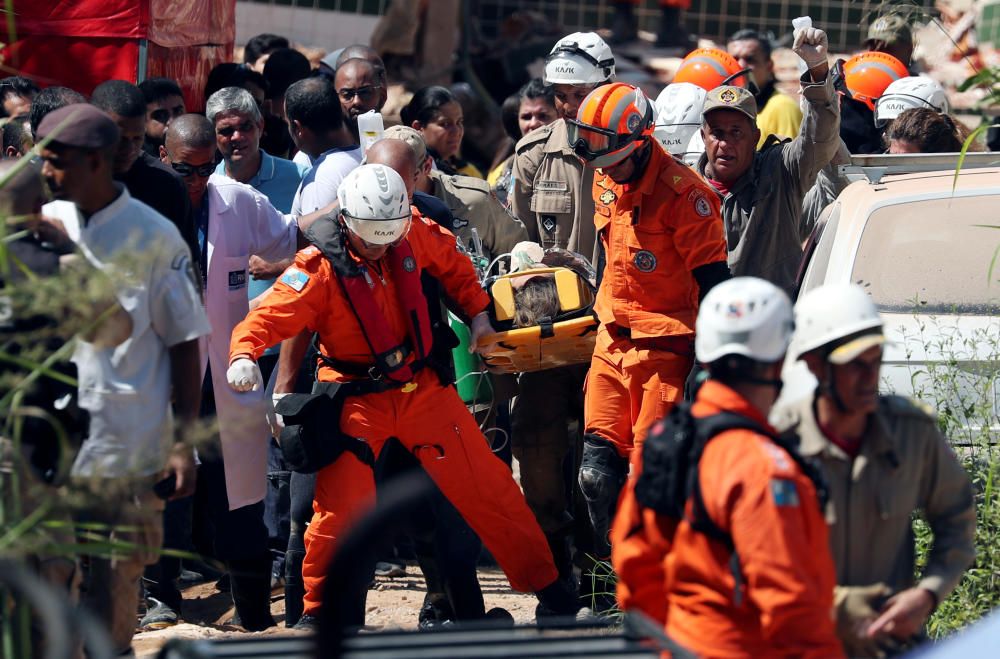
(868, 74)
(612, 122)
(708, 68)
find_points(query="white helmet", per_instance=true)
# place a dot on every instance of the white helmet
(695, 148)
(581, 58)
(832, 312)
(908, 93)
(374, 204)
(678, 116)
(743, 316)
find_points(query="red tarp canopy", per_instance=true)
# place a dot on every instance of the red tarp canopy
(81, 43)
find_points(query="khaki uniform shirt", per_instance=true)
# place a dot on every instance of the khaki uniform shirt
(904, 465)
(551, 192)
(762, 210)
(474, 206)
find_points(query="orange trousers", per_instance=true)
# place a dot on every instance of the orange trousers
(628, 388)
(433, 423)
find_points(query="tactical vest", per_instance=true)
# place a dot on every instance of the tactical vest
(669, 477)
(390, 356)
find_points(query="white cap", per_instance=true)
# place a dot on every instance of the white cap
(374, 204)
(581, 58)
(908, 93)
(833, 312)
(678, 116)
(743, 316)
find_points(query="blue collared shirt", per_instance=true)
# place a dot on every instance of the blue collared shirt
(277, 179)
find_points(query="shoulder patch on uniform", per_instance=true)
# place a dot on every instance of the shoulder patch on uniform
(700, 202)
(784, 492)
(295, 279)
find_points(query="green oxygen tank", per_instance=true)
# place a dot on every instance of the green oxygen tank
(473, 386)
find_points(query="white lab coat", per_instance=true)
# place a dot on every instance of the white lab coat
(241, 223)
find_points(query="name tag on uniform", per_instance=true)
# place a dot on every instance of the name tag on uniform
(237, 279)
(552, 186)
(295, 279)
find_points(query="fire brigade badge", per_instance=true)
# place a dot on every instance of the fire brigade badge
(645, 261)
(701, 205)
(608, 197)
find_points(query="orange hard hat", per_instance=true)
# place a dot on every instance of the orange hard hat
(612, 122)
(867, 75)
(708, 68)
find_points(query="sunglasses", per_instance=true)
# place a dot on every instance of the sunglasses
(364, 93)
(186, 170)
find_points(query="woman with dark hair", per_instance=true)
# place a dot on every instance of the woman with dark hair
(533, 106)
(922, 130)
(436, 113)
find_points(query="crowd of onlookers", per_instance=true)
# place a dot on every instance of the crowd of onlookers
(193, 214)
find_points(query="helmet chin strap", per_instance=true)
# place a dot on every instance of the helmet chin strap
(638, 158)
(828, 388)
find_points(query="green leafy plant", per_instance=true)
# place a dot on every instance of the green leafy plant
(970, 421)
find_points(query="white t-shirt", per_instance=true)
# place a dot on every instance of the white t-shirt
(319, 187)
(303, 159)
(126, 389)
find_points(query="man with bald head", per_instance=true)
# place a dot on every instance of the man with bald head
(132, 441)
(361, 89)
(233, 222)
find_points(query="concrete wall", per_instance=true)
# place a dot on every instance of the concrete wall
(310, 27)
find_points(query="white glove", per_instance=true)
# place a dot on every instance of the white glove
(244, 375)
(278, 423)
(812, 46)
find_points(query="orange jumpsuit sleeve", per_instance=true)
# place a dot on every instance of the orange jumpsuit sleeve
(298, 297)
(781, 539)
(639, 543)
(699, 234)
(453, 269)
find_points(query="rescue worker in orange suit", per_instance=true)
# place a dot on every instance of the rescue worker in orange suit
(661, 231)
(671, 33)
(761, 583)
(362, 295)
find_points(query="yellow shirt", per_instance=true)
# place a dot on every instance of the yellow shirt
(497, 172)
(781, 116)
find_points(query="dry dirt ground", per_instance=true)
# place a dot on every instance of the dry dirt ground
(392, 604)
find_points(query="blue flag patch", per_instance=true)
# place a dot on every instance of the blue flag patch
(295, 278)
(784, 493)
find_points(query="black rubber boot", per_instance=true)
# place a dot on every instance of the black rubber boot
(672, 33)
(294, 588)
(602, 475)
(624, 27)
(557, 599)
(251, 585)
